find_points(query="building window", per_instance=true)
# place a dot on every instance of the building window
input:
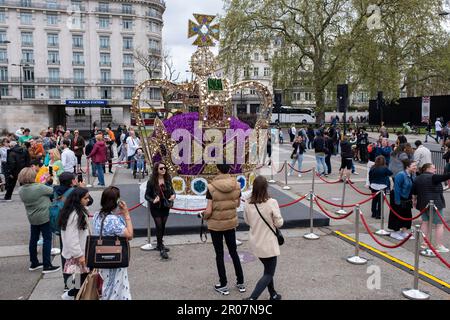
(2, 16)
(28, 92)
(266, 57)
(154, 46)
(27, 39)
(104, 22)
(128, 60)
(27, 56)
(103, 7)
(78, 93)
(78, 75)
(26, 18)
(127, 43)
(3, 55)
(4, 73)
(4, 91)
(104, 42)
(266, 72)
(296, 96)
(53, 57)
(106, 110)
(3, 36)
(308, 96)
(53, 75)
(28, 74)
(77, 41)
(105, 76)
(155, 93)
(256, 56)
(78, 58)
(252, 92)
(127, 24)
(54, 92)
(52, 40)
(128, 76)
(155, 27)
(25, 3)
(246, 72)
(105, 59)
(52, 4)
(128, 93)
(105, 92)
(76, 5)
(79, 111)
(52, 19)
(127, 8)
(255, 71)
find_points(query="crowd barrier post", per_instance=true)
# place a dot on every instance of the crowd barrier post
(313, 184)
(428, 252)
(415, 293)
(271, 173)
(311, 235)
(341, 210)
(148, 246)
(356, 259)
(286, 187)
(88, 173)
(382, 232)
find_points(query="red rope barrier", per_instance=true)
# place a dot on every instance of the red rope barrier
(442, 219)
(299, 171)
(399, 216)
(376, 240)
(360, 192)
(135, 207)
(329, 215)
(292, 203)
(347, 205)
(281, 168)
(328, 182)
(435, 252)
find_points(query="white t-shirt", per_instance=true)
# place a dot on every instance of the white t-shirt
(438, 125)
(68, 160)
(132, 145)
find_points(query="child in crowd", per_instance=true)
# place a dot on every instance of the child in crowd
(140, 160)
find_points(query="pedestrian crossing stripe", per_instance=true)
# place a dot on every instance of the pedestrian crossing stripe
(432, 279)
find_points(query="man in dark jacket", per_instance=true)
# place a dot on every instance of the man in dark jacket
(346, 158)
(17, 159)
(320, 150)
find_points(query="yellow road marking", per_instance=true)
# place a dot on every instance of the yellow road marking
(387, 256)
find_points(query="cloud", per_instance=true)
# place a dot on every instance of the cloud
(176, 17)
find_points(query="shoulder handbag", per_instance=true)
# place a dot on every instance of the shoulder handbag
(277, 231)
(91, 289)
(109, 252)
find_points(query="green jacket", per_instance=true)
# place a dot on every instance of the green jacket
(24, 139)
(36, 198)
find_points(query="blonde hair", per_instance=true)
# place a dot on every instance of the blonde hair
(55, 153)
(27, 176)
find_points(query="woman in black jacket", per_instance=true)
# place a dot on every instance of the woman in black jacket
(297, 154)
(379, 180)
(160, 196)
(346, 158)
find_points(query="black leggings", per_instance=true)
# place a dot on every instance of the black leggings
(160, 223)
(266, 281)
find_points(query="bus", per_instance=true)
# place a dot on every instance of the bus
(149, 116)
(288, 114)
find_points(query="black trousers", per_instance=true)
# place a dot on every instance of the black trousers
(230, 239)
(376, 205)
(328, 162)
(266, 281)
(10, 185)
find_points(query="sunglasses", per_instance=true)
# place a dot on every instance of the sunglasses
(162, 168)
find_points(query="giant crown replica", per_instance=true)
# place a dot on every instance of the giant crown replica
(211, 96)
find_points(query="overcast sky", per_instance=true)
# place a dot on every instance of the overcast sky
(176, 17)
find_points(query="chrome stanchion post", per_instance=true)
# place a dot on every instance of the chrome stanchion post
(148, 246)
(415, 293)
(286, 187)
(341, 210)
(311, 235)
(428, 252)
(271, 173)
(356, 259)
(89, 185)
(382, 232)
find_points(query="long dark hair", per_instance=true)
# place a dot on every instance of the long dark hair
(73, 203)
(380, 161)
(259, 192)
(155, 174)
(108, 203)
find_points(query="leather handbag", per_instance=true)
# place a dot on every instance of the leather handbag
(107, 252)
(91, 288)
(277, 231)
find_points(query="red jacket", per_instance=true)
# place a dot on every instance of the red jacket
(98, 154)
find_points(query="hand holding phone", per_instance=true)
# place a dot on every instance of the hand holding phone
(50, 170)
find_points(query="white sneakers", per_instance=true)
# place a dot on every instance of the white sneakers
(442, 249)
(65, 296)
(397, 235)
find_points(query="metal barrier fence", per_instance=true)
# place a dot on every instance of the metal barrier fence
(438, 161)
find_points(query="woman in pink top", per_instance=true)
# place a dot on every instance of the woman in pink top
(98, 156)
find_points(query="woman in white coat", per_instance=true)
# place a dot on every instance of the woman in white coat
(262, 240)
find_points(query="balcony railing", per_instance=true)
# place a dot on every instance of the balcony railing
(128, 65)
(78, 63)
(54, 62)
(114, 11)
(33, 5)
(105, 64)
(153, 14)
(3, 60)
(27, 61)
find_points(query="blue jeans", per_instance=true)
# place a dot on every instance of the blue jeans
(47, 246)
(299, 161)
(353, 167)
(100, 174)
(140, 165)
(321, 164)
